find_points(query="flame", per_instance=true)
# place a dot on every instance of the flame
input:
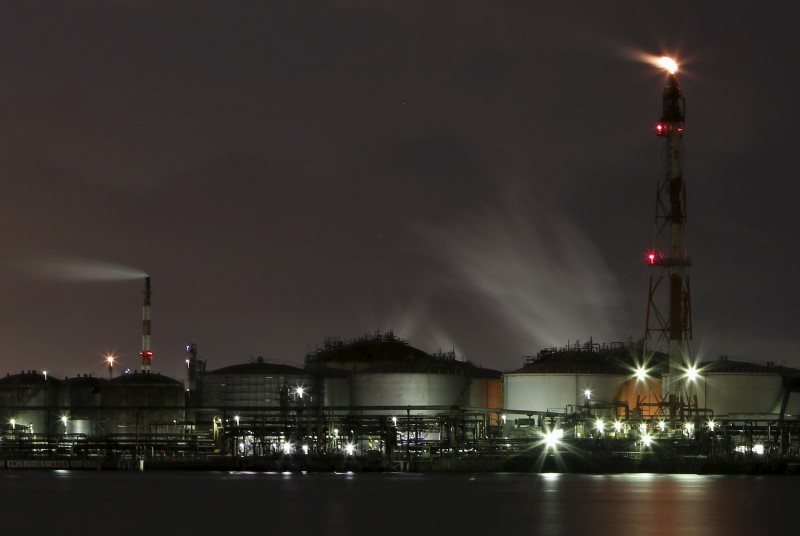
(669, 64)
(662, 62)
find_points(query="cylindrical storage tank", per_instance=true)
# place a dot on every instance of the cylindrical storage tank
(384, 388)
(741, 389)
(560, 391)
(142, 403)
(29, 400)
(486, 392)
(84, 427)
(336, 388)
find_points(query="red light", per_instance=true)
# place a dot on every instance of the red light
(652, 258)
(659, 127)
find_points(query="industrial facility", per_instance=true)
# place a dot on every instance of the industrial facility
(377, 403)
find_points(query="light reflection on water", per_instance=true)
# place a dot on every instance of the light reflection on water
(388, 504)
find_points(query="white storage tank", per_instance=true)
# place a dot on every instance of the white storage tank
(409, 388)
(734, 388)
(561, 390)
(600, 376)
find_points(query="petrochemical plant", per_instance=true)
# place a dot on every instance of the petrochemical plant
(377, 403)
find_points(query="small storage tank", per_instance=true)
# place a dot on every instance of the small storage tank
(81, 401)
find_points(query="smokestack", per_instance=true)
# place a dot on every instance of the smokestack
(147, 352)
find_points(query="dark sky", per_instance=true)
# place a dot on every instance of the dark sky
(473, 175)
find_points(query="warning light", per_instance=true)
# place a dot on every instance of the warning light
(652, 258)
(660, 128)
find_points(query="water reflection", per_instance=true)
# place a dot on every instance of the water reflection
(389, 504)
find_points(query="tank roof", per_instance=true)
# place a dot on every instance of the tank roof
(144, 378)
(260, 367)
(591, 358)
(82, 380)
(28, 377)
(725, 364)
(378, 347)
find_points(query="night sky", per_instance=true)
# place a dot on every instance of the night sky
(477, 176)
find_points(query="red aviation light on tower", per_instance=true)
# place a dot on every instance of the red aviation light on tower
(651, 258)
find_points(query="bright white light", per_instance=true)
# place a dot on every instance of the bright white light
(64, 420)
(110, 360)
(692, 373)
(669, 64)
(305, 449)
(662, 425)
(758, 449)
(299, 392)
(588, 394)
(13, 423)
(394, 421)
(504, 418)
(45, 374)
(641, 374)
(287, 448)
(711, 425)
(551, 438)
(617, 426)
(647, 440)
(236, 418)
(600, 425)
(689, 428)
(349, 449)
(662, 62)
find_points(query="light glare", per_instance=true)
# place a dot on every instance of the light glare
(669, 64)
(600, 425)
(692, 373)
(641, 374)
(551, 438)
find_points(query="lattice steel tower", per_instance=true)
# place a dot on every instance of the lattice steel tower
(669, 318)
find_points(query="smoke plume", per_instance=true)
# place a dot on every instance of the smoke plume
(55, 268)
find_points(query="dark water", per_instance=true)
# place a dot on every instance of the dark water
(387, 504)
